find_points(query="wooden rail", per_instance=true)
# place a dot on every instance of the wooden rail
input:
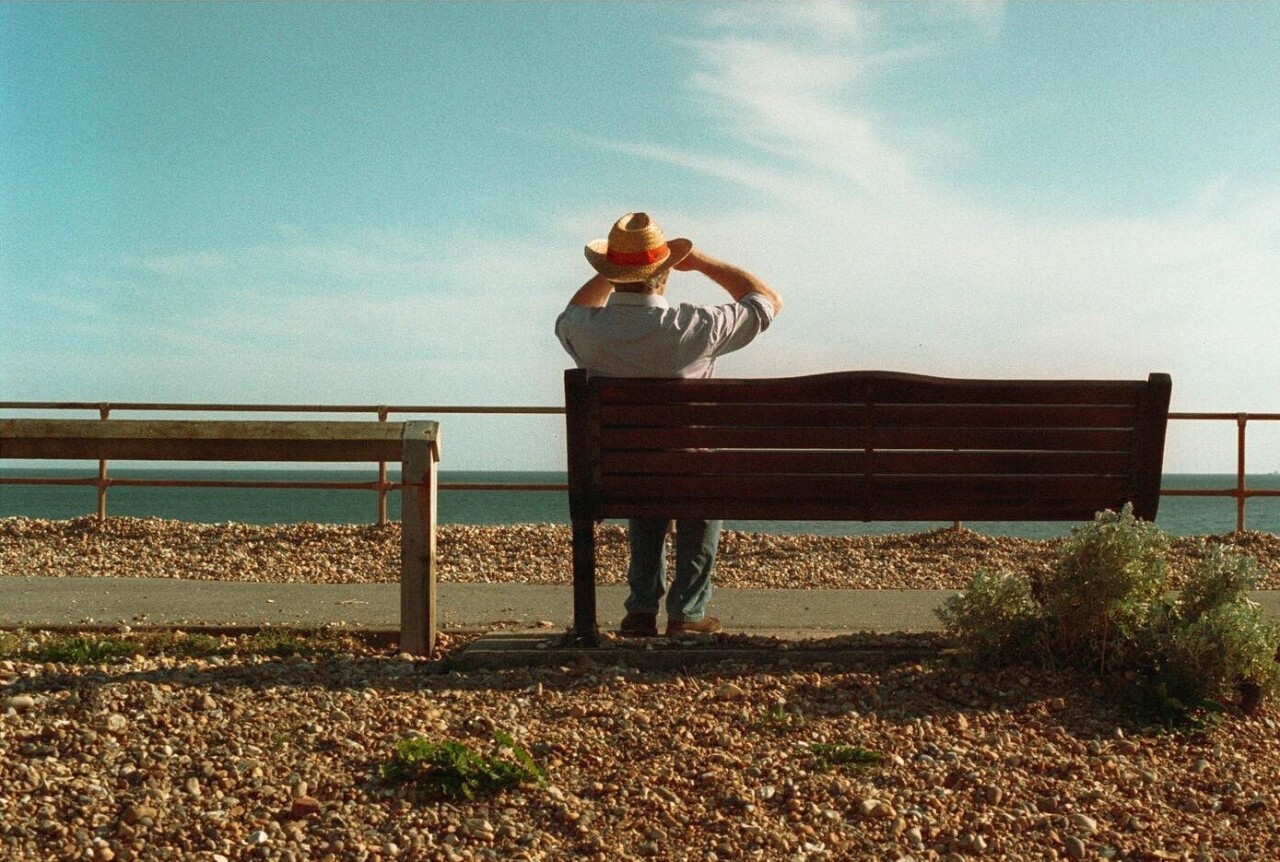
(416, 445)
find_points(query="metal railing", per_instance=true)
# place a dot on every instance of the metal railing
(381, 486)
(1241, 493)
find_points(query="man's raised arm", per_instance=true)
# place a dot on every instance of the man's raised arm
(593, 294)
(737, 281)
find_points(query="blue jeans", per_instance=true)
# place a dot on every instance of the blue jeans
(696, 542)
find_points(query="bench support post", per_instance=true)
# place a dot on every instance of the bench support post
(418, 541)
(585, 631)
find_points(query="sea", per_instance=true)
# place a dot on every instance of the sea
(1179, 516)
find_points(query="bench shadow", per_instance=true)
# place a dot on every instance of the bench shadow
(901, 677)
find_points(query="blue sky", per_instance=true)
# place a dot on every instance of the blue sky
(368, 203)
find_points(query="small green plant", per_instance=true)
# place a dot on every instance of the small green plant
(95, 648)
(10, 645)
(85, 649)
(453, 770)
(777, 720)
(284, 644)
(827, 756)
(180, 644)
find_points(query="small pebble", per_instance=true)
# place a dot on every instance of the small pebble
(19, 702)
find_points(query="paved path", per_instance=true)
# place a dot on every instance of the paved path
(41, 601)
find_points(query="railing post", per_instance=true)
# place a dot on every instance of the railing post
(104, 410)
(382, 477)
(1241, 420)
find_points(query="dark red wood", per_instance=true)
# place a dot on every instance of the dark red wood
(613, 439)
(859, 387)
(863, 445)
(686, 462)
(895, 415)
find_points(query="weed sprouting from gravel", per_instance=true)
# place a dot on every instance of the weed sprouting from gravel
(453, 770)
(87, 648)
(777, 720)
(828, 756)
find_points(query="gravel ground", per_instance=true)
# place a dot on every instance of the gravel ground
(240, 754)
(527, 553)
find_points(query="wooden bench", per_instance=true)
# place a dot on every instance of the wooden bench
(857, 446)
(416, 445)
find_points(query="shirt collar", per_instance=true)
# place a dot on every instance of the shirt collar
(648, 300)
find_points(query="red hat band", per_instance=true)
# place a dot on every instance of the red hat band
(637, 258)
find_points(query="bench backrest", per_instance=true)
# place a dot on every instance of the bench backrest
(864, 446)
(180, 440)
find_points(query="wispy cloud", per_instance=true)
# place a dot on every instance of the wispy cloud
(887, 268)
(827, 19)
(789, 98)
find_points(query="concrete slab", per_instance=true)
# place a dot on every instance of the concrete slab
(40, 601)
(524, 621)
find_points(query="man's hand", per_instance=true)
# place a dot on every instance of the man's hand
(691, 261)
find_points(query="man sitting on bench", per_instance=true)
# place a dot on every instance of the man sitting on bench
(619, 324)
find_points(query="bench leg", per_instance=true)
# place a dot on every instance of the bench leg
(418, 549)
(585, 630)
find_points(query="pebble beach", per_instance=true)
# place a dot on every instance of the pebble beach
(234, 751)
(532, 553)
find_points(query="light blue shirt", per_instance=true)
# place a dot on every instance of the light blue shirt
(640, 335)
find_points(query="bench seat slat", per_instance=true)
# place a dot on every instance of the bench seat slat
(1021, 439)
(891, 489)
(933, 509)
(855, 462)
(858, 415)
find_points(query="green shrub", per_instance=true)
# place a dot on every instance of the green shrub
(453, 770)
(1099, 594)
(1225, 648)
(1221, 576)
(1103, 607)
(996, 619)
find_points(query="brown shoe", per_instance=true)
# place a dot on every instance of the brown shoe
(706, 625)
(637, 624)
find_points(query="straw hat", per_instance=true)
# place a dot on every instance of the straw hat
(635, 250)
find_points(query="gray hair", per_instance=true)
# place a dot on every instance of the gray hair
(654, 283)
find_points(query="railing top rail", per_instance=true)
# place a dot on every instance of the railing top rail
(408, 408)
(402, 408)
(1232, 416)
(277, 408)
